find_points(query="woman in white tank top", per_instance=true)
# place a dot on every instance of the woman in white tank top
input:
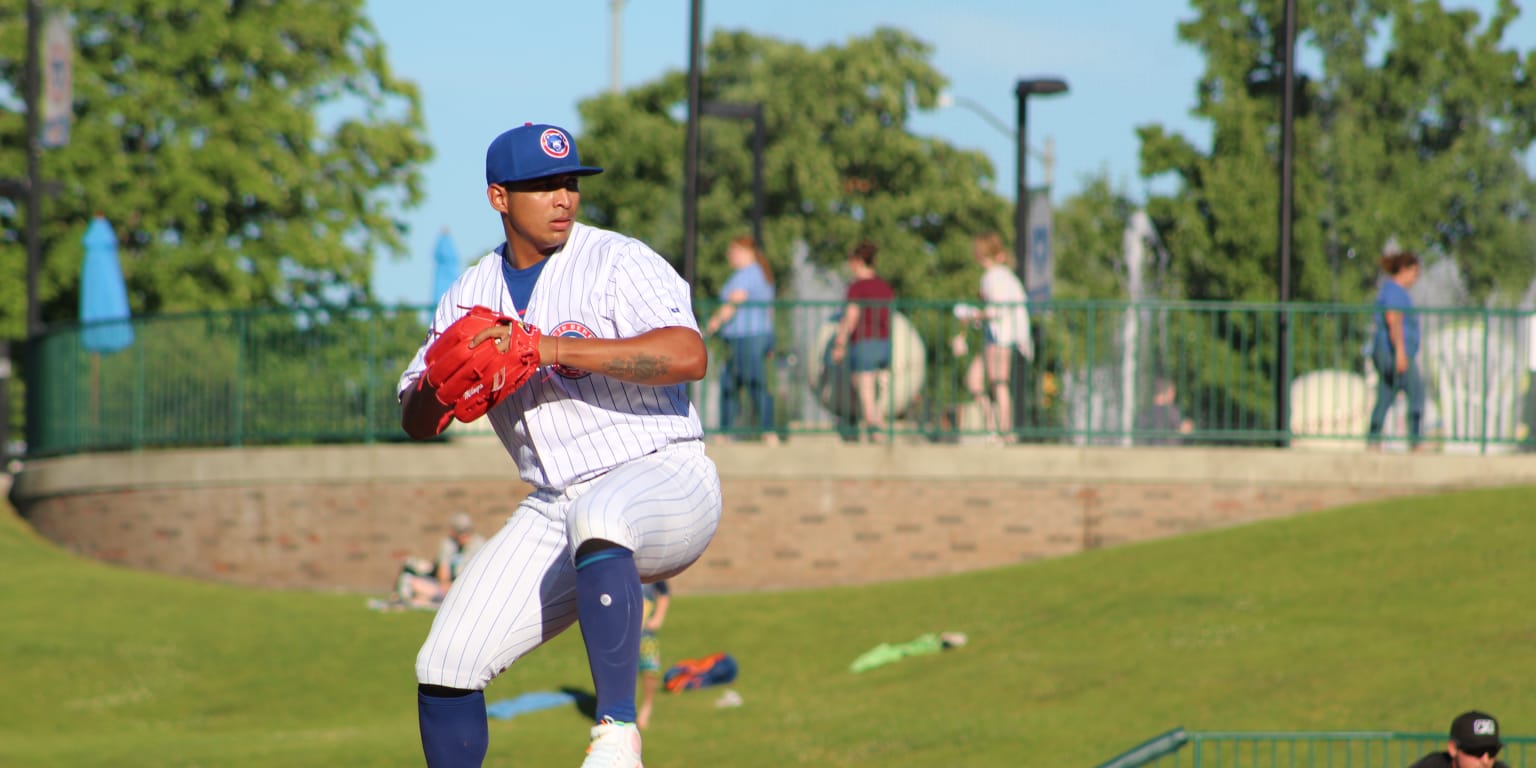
(1004, 320)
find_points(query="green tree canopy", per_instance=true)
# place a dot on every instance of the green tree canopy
(840, 163)
(1413, 127)
(247, 154)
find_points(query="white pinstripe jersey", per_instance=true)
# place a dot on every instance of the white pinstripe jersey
(565, 426)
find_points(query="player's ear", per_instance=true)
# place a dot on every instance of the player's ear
(499, 197)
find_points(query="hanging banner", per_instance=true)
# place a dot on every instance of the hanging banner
(58, 80)
(1040, 268)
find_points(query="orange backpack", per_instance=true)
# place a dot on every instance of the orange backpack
(714, 669)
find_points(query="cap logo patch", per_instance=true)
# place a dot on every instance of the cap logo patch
(1484, 727)
(554, 143)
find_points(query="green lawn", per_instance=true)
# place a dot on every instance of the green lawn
(1386, 616)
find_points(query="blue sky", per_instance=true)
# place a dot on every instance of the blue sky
(486, 65)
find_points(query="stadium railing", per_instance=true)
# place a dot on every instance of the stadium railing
(328, 375)
(1345, 749)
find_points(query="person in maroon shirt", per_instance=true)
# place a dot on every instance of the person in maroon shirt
(864, 338)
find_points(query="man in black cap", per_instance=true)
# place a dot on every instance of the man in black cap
(1474, 744)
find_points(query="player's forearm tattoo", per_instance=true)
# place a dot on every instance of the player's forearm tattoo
(639, 368)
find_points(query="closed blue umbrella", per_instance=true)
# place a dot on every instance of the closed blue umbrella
(446, 267)
(103, 296)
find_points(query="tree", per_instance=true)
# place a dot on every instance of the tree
(840, 163)
(1413, 128)
(248, 154)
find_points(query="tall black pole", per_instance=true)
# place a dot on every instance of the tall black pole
(5, 406)
(34, 190)
(1018, 365)
(1287, 150)
(33, 194)
(1021, 189)
(691, 152)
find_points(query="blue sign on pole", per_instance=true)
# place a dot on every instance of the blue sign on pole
(1040, 267)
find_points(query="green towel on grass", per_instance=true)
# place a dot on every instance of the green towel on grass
(885, 653)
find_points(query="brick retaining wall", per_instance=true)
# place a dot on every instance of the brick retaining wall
(809, 514)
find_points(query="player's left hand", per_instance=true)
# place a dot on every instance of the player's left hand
(479, 360)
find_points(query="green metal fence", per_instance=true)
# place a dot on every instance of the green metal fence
(1350, 749)
(224, 379)
(286, 376)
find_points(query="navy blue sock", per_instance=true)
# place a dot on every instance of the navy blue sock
(454, 733)
(608, 606)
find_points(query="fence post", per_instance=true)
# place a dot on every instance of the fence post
(370, 365)
(890, 377)
(1093, 333)
(1487, 331)
(1286, 367)
(237, 398)
(137, 429)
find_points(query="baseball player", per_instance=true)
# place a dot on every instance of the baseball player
(603, 431)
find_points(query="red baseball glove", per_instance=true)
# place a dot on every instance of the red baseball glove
(475, 380)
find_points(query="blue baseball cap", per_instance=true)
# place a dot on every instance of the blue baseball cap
(532, 151)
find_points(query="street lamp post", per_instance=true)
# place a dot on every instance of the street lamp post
(616, 13)
(32, 190)
(1022, 91)
(1287, 210)
(691, 143)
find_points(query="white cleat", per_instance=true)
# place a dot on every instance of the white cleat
(614, 745)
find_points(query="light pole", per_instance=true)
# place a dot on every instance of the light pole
(1287, 211)
(1022, 90)
(31, 190)
(1042, 86)
(691, 143)
(616, 12)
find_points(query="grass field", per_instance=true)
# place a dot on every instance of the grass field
(1386, 616)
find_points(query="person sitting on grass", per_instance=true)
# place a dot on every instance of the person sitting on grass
(422, 584)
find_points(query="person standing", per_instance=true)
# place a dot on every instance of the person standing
(1474, 743)
(658, 599)
(1395, 348)
(605, 434)
(745, 321)
(863, 338)
(1004, 321)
